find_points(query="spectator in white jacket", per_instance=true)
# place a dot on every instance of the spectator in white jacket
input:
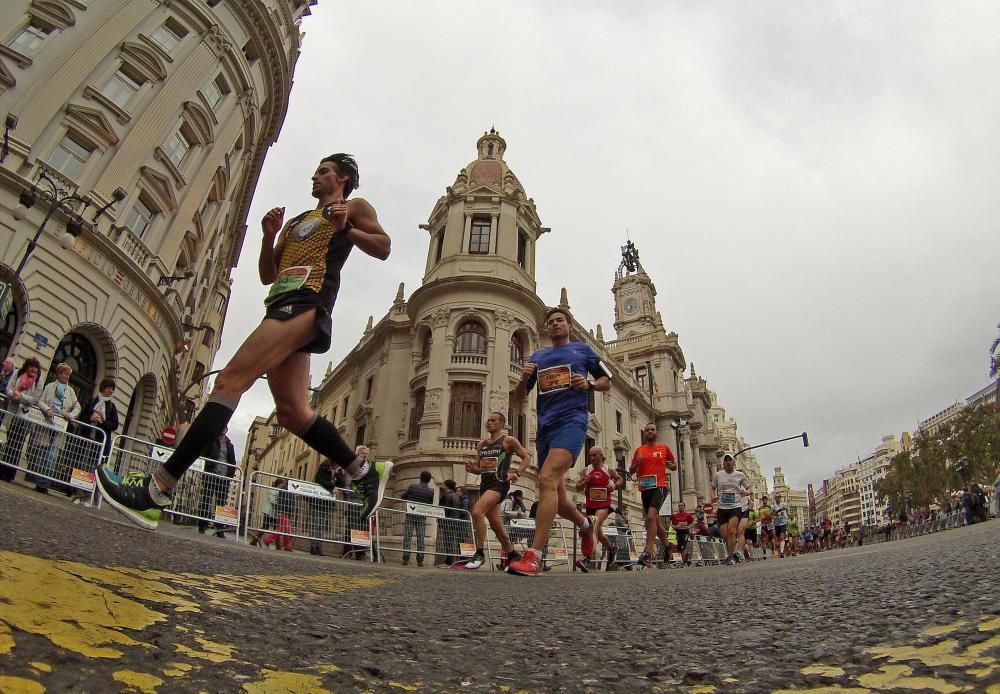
(60, 405)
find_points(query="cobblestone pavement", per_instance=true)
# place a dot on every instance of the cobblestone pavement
(88, 603)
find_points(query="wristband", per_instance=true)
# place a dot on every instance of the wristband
(347, 227)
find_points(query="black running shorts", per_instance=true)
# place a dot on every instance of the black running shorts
(724, 515)
(653, 498)
(492, 483)
(295, 303)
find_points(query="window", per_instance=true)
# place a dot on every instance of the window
(177, 148)
(471, 338)
(333, 415)
(214, 91)
(209, 337)
(425, 347)
(517, 350)
(359, 439)
(199, 371)
(28, 40)
(139, 217)
(121, 88)
(220, 302)
(640, 376)
(168, 35)
(466, 415)
(439, 240)
(591, 401)
(479, 241)
(416, 414)
(345, 404)
(618, 421)
(516, 419)
(70, 156)
(522, 248)
(369, 386)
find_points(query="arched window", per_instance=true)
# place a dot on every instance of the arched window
(517, 350)
(77, 351)
(471, 338)
(425, 347)
(8, 330)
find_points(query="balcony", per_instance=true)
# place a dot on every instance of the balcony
(516, 370)
(469, 359)
(133, 247)
(455, 443)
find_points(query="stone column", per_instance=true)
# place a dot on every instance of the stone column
(689, 491)
(691, 463)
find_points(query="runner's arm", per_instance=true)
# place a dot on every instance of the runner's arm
(616, 478)
(581, 481)
(270, 251)
(365, 231)
(512, 445)
(527, 381)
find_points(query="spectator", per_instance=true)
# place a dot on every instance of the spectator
(321, 510)
(449, 527)
(24, 389)
(466, 504)
(969, 506)
(511, 508)
(534, 507)
(277, 511)
(220, 468)
(59, 404)
(5, 373)
(416, 524)
(100, 414)
(700, 527)
(996, 493)
(980, 505)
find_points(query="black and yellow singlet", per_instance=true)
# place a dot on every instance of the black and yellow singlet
(310, 263)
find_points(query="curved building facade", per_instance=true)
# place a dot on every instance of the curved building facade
(160, 112)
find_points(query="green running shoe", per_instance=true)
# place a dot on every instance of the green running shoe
(371, 488)
(129, 495)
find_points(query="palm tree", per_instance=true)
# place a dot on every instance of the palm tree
(995, 362)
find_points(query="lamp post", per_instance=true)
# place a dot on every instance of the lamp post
(677, 425)
(59, 199)
(619, 450)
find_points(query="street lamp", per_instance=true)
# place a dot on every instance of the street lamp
(619, 450)
(59, 200)
(962, 465)
(677, 425)
(167, 280)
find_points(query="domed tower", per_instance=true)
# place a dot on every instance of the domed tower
(485, 224)
(476, 316)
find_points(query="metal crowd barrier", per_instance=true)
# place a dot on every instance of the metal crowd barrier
(627, 545)
(706, 551)
(408, 529)
(302, 510)
(202, 496)
(48, 452)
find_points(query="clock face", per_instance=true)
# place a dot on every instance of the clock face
(631, 306)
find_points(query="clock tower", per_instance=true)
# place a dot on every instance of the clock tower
(635, 296)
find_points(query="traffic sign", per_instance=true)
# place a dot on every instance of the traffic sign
(169, 436)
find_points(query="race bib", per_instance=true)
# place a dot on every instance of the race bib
(289, 280)
(727, 498)
(554, 378)
(647, 482)
(488, 465)
(598, 494)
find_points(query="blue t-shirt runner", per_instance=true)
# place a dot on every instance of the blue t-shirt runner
(560, 372)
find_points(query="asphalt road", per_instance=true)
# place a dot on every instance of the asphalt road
(89, 603)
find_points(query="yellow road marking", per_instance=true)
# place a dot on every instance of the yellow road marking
(140, 681)
(944, 629)
(823, 670)
(43, 667)
(19, 685)
(277, 682)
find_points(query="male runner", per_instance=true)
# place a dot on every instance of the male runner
(766, 516)
(730, 485)
(560, 372)
(496, 474)
(749, 525)
(303, 269)
(682, 521)
(649, 463)
(780, 512)
(597, 482)
(827, 527)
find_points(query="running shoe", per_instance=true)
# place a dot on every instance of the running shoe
(478, 559)
(129, 495)
(730, 563)
(587, 541)
(528, 564)
(646, 560)
(371, 487)
(581, 564)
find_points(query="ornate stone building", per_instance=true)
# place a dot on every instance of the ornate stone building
(419, 384)
(159, 113)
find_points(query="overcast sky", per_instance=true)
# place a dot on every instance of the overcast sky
(813, 187)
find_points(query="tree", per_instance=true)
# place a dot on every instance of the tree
(995, 357)
(975, 434)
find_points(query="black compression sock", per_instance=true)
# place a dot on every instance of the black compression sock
(205, 428)
(322, 436)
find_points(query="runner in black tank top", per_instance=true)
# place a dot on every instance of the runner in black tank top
(493, 463)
